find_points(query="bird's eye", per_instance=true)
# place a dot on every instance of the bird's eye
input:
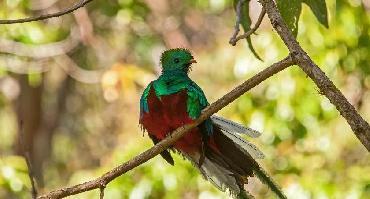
(176, 60)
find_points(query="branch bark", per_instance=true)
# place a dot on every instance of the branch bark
(76, 6)
(175, 135)
(358, 125)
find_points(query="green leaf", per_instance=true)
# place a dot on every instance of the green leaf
(290, 11)
(246, 22)
(250, 45)
(319, 9)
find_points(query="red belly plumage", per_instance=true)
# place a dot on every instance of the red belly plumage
(167, 114)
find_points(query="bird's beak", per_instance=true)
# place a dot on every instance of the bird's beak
(192, 61)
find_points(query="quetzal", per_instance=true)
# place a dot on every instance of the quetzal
(215, 147)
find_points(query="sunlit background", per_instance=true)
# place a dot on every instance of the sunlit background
(74, 83)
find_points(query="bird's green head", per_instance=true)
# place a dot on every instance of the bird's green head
(177, 59)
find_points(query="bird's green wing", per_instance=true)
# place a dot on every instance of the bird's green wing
(143, 100)
(197, 101)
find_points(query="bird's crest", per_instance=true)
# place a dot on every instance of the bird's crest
(177, 59)
(172, 50)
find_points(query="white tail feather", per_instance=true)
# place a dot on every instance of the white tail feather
(219, 176)
(231, 126)
(232, 131)
(249, 147)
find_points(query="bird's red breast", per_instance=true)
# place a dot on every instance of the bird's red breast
(166, 114)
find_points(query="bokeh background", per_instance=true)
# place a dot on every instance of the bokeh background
(74, 84)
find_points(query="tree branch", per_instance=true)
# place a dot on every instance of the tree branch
(175, 135)
(76, 6)
(359, 126)
(238, 20)
(234, 39)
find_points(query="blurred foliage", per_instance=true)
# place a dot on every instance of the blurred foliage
(310, 149)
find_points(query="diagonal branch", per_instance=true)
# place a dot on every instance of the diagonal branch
(359, 126)
(76, 6)
(175, 135)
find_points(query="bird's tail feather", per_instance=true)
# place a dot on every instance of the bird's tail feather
(229, 167)
(221, 177)
(233, 130)
(232, 126)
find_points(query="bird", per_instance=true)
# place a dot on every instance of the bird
(215, 147)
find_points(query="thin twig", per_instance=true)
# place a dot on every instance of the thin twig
(76, 6)
(103, 184)
(238, 19)
(26, 154)
(101, 196)
(359, 126)
(235, 38)
(176, 134)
